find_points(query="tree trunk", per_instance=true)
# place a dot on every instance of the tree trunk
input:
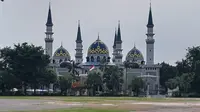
(35, 87)
(93, 91)
(24, 89)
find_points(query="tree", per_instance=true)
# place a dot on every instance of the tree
(167, 72)
(8, 81)
(185, 81)
(172, 83)
(137, 84)
(193, 64)
(94, 81)
(26, 62)
(113, 78)
(72, 66)
(48, 77)
(65, 83)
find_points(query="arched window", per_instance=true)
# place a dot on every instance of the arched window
(92, 59)
(98, 59)
(87, 59)
(108, 60)
(60, 60)
(104, 59)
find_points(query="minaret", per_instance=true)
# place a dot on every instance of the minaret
(49, 34)
(150, 40)
(79, 46)
(114, 46)
(118, 48)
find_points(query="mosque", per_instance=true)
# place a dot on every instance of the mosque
(97, 51)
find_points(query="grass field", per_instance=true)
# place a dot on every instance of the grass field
(77, 110)
(104, 104)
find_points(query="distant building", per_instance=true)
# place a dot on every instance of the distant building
(97, 51)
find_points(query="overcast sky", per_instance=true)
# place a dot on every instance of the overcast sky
(177, 24)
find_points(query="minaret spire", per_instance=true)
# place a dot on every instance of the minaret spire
(150, 19)
(49, 18)
(119, 33)
(150, 40)
(117, 51)
(49, 34)
(79, 39)
(115, 38)
(79, 46)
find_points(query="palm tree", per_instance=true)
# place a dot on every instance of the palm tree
(72, 67)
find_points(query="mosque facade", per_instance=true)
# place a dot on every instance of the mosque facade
(97, 51)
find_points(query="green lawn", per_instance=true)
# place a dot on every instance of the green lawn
(100, 99)
(76, 110)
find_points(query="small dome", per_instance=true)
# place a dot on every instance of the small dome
(61, 52)
(98, 47)
(134, 55)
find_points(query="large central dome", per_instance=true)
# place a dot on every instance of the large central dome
(98, 47)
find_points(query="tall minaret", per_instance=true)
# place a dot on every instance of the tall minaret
(49, 34)
(114, 46)
(118, 48)
(79, 46)
(150, 40)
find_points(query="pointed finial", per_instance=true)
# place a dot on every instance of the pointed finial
(98, 36)
(134, 45)
(61, 44)
(49, 18)
(150, 19)
(119, 23)
(49, 3)
(150, 3)
(79, 23)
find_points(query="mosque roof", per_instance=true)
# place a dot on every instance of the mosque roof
(134, 54)
(61, 52)
(98, 47)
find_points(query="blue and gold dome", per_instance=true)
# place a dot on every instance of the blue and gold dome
(98, 47)
(61, 52)
(134, 55)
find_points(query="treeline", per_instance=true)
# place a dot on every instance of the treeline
(24, 66)
(185, 75)
(27, 67)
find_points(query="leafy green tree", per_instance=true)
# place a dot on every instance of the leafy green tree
(193, 66)
(167, 72)
(172, 83)
(65, 83)
(48, 77)
(26, 62)
(137, 84)
(185, 81)
(182, 67)
(94, 81)
(8, 81)
(113, 78)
